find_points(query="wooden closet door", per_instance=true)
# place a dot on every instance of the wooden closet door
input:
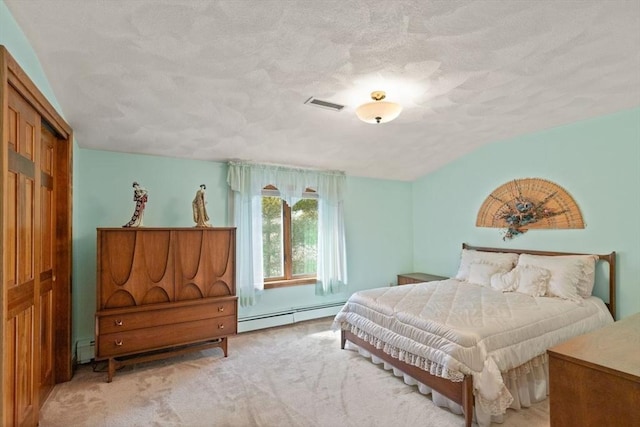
(48, 143)
(22, 264)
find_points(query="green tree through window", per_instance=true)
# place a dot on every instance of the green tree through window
(290, 240)
(304, 236)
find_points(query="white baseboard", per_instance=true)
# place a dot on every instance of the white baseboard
(287, 318)
(85, 351)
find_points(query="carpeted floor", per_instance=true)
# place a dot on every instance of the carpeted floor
(289, 376)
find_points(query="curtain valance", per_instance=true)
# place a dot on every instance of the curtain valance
(250, 179)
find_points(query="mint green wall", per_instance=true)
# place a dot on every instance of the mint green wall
(378, 236)
(392, 226)
(597, 161)
(377, 212)
(104, 198)
(12, 37)
(378, 233)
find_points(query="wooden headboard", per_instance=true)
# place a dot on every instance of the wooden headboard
(609, 258)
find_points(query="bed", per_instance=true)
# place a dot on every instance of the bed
(477, 342)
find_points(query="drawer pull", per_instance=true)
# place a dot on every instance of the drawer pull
(221, 326)
(221, 309)
(118, 343)
(118, 322)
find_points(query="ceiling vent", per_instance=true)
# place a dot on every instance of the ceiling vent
(324, 104)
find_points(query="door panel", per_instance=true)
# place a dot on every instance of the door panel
(47, 262)
(11, 231)
(47, 380)
(26, 401)
(22, 254)
(36, 238)
(9, 373)
(26, 230)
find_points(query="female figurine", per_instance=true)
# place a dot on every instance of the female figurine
(140, 197)
(200, 209)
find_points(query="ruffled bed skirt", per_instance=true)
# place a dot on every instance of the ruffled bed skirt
(527, 384)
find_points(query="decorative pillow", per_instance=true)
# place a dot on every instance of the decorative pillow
(505, 282)
(532, 280)
(506, 261)
(480, 273)
(525, 279)
(566, 273)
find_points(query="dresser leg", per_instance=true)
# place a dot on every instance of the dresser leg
(111, 370)
(224, 346)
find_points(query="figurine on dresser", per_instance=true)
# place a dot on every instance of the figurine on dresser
(199, 206)
(140, 197)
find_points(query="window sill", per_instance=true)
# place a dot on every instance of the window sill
(292, 282)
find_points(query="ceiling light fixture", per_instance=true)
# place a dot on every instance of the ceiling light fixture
(378, 111)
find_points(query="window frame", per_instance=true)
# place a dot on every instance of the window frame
(287, 279)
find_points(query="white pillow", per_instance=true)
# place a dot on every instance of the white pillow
(506, 261)
(588, 277)
(505, 282)
(566, 273)
(532, 280)
(480, 273)
(525, 279)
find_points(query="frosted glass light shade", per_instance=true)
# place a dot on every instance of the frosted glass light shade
(378, 111)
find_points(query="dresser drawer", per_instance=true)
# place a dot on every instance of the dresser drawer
(157, 337)
(126, 321)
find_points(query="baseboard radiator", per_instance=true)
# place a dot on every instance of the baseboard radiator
(287, 317)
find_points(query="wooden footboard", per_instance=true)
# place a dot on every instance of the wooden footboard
(459, 392)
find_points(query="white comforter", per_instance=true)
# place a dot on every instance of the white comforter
(452, 328)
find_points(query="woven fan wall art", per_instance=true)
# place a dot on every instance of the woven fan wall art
(523, 204)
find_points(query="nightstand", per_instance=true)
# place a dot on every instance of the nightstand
(409, 278)
(594, 379)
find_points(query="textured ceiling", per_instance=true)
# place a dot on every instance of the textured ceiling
(220, 80)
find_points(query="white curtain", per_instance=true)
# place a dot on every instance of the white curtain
(247, 180)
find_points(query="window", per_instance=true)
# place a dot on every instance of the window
(289, 239)
(295, 261)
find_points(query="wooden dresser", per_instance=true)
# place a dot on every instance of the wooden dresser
(594, 379)
(409, 278)
(163, 291)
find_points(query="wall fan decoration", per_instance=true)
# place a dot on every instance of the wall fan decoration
(523, 204)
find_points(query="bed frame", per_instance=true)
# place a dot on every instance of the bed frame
(462, 392)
